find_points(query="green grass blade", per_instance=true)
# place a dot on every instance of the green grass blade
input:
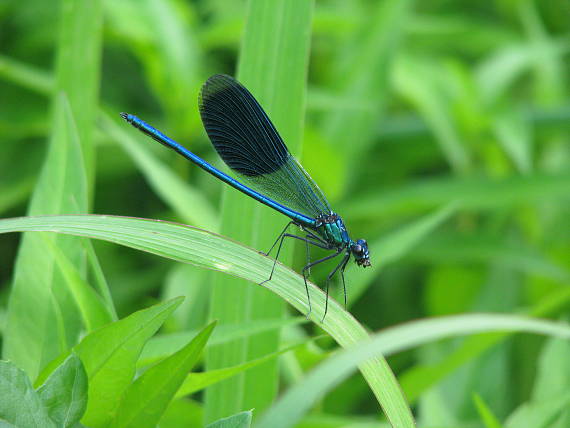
(423, 376)
(204, 249)
(197, 381)
(99, 279)
(162, 345)
(25, 75)
(93, 311)
(363, 73)
(144, 402)
(39, 291)
(487, 416)
(78, 68)
(190, 205)
(289, 409)
(273, 64)
(39, 300)
(477, 193)
(514, 134)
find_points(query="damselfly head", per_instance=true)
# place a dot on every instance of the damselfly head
(360, 252)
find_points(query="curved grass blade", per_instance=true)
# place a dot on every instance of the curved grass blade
(288, 411)
(208, 250)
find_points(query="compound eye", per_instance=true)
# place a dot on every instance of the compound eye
(357, 248)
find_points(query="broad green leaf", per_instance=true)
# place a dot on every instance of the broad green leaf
(64, 395)
(146, 399)
(162, 345)
(299, 398)
(198, 381)
(204, 249)
(240, 420)
(109, 355)
(20, 406)
(183, 413)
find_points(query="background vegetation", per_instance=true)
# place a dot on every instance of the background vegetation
(437, 129)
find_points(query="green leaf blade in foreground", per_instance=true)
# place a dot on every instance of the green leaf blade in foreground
(64, 394)
(110, 355)
(240, 420)
(20, 405)
(147, 398)
(291, 407)
(205, 249)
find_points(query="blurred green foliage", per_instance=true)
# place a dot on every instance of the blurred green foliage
(408, 109)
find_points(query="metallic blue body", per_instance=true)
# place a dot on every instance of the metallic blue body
(168, 142)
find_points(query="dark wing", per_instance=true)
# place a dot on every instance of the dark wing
(249, 144)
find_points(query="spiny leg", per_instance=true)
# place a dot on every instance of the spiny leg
(310, 265)
(308, 252)
(345, 262)
(341, 266)
(282, 238)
